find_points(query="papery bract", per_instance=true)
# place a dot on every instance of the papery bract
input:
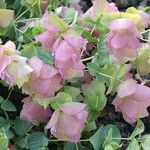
(6, 52)
(18, 70)
(144, 17)
(67, 60)
(132, 100)
(122, 39)
(143, 60)
(48, 37)
(44, 80)
(67, 122)
(33, 112)
(100, 7)
(6, 16)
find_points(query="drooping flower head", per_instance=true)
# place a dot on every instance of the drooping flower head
(122, 40)
(68, 61)
(13, 67)
(67, 122)
(132, 100)
(33, 112)
(44, 80)
(6, 16)
(100, 7)
(18, 70)
(6, 52)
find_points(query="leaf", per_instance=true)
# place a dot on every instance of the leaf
(109, 147)
(2, 4)
(29, 50)
(74, 92)
(115, 77)
(4, 124)
(37, 140)
(134, 145)
(3, 142)
(58, 100)
(58, 22)
(103, 55)
(98, 138)
(142, 61)
(73, 146)
(90, 126)
(109, 141)
(9, 134)
(6, 16)
(44, 56)
(21, 126)
(21, 142)
(95, 95)
(8, 106)
(138, 129)
(93, 115)
(1, 99)
(71, 16)
(145, 142)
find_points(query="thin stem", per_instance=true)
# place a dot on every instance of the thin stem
(25, 11)
(108, 76)
(39, 6)
(145, 40)
(85, 140)
(55, 140)
(19, 10)
(87, 59)
(77, 146)
(9, 94)
(145, 31)
(125, 139)
(25, 20)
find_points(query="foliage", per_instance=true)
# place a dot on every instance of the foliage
(63, 73)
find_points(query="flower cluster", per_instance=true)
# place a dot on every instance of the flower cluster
(13, 68)
(132, 100)
(71, 91)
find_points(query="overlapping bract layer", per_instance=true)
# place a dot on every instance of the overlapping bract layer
(132, 100)
(67, 122)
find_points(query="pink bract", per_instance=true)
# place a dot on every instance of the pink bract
(33, 112)
(68, 121)
(44, 80)
(48, 37)
(132, 100)
(67, 60)
(122, 40)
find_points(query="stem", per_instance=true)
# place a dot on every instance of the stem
(125, 139)
(39, 7)
(85, 140)
(145, 31)
(9, 94)
(55, 140)
(87, 59)
(25, 20)
(145, 40)
(108, 76)
(25, 11)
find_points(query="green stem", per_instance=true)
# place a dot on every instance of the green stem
(108, 76)
(145, 31)
(55, 140)
(25, 11)
(9, 94)
(125, 139)
(87, 59)
(25, 20)
(145, 40)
